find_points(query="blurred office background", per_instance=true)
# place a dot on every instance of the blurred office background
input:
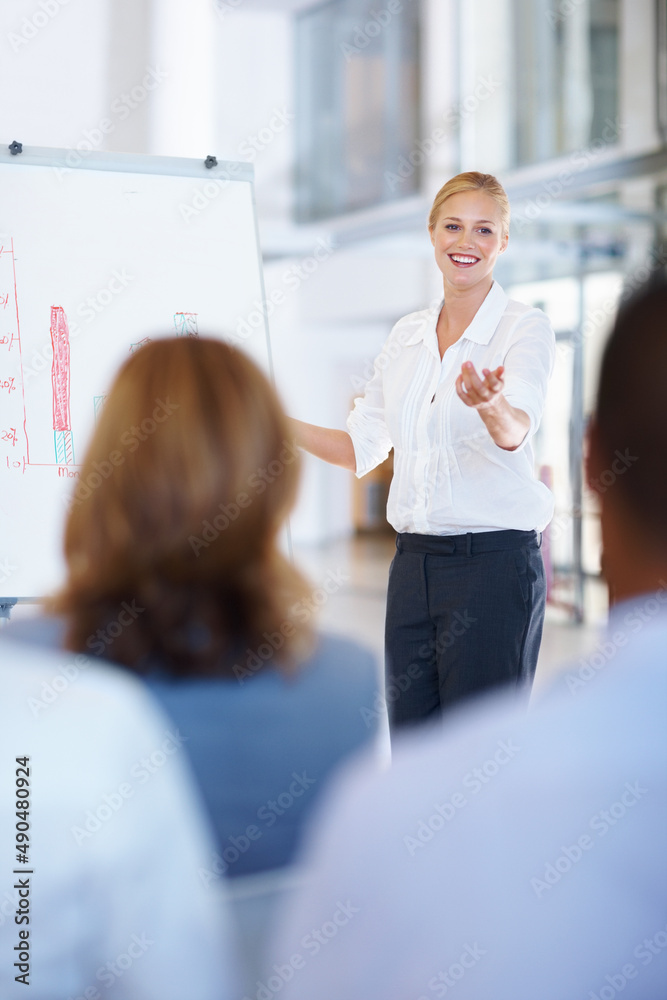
(354, 113)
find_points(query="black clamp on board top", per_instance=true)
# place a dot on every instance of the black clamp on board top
(15, 147)
(211, 161)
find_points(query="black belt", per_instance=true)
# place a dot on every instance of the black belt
(472, 543)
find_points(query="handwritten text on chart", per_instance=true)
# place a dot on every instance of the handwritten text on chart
(9, 435)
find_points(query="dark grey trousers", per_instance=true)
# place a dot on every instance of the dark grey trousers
(464, 614)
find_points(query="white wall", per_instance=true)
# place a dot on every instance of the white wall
(53, 71)
(252, 80)
(485, 100)
(439, 91)
(183, 44)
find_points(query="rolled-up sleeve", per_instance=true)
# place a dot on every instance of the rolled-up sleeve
(528, 366)
(367, 425)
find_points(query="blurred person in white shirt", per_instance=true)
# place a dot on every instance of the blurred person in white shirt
(102, 841)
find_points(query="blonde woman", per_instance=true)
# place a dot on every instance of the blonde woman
(458, 392)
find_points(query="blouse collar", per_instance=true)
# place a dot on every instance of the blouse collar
(481, 329)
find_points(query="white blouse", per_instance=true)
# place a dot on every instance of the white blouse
(449, 475)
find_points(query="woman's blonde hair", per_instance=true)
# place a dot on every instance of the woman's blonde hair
(170, 541)
(472, 180)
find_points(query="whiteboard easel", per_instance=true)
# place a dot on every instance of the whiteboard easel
(98, 253)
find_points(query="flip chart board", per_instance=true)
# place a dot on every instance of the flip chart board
(97, 254)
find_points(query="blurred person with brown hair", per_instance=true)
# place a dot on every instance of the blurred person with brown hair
(458, 392)
(174, 571)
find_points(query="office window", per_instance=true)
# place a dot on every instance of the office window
(357, 105)
(566, 80)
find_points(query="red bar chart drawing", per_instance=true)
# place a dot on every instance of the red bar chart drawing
(60, 378)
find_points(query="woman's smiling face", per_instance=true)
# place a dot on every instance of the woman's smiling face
(467, 237)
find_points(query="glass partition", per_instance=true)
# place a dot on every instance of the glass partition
(566, 76)
(357, 106)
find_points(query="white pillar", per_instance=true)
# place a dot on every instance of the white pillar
(182, 121)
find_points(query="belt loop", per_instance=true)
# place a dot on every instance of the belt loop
(540, 536)
(469, 543)
(398, 543)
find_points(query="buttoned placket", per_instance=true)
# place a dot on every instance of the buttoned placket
(441, 368)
